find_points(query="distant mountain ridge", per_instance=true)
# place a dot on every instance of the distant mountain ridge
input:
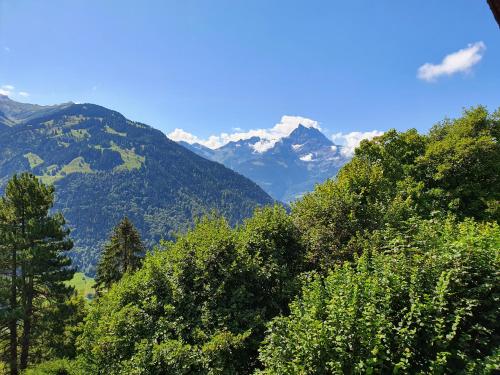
(287, 170)
(12, 112)
(105, 166)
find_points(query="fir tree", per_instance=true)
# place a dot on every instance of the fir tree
(123, 253)
(33, 249)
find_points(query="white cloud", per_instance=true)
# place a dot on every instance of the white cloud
(350, 141)
(6, 49)
(456, 62)
(181, 135)
(6, 90)
(268, 136)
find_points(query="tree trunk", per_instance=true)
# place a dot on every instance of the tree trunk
(28, 315)
(13, 318)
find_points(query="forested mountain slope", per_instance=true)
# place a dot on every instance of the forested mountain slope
(105, 166)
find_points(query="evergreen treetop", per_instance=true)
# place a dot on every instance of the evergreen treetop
(123, 253)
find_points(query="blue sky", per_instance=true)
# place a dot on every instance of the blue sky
(210, 67)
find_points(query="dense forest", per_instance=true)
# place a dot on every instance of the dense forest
(393, 266)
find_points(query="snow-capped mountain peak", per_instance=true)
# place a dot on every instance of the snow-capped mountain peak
(286, 168)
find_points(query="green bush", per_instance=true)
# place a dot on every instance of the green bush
(453, 169)
(428, 306)
(55, 367)
(199, 305)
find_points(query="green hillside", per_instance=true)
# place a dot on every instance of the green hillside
(84, 285)
(105, 167)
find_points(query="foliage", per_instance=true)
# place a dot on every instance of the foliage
(200, 304)
(461, 165)
(55, 367)
(454, 169)
(57, 329)
(34, 246)
(123, 253)
(332, 216)
(426, 303)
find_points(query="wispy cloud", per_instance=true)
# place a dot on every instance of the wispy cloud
(6, 90)
(180, 135)
(268, 136)
(352, 140)
(9, 90)
(6, 49)
(456, 62)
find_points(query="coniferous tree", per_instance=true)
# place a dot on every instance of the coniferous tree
(123, 253)
(33, 249)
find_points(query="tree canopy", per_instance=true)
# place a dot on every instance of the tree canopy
(453, 169)
(33, 248)
(431, 308)
(122, 253)
(199, 304)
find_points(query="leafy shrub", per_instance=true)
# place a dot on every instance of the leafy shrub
(199, 305)
(55, 367)
(430, 306)
(453, 169)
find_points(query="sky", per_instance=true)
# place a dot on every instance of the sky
(213, 71)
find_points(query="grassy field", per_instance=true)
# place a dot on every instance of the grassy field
(84, 285)
(77, 165)
(131, 160)
(33, 159)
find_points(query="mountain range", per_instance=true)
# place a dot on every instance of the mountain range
(105, 167)
(288, 169)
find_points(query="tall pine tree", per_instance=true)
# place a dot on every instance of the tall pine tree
(123, 253)
(34, 243)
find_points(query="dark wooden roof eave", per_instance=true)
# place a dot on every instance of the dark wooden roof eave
(495, 8)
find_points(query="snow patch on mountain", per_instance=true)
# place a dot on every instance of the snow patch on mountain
(308, 157)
